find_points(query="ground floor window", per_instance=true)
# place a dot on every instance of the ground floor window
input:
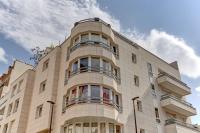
(92, 127)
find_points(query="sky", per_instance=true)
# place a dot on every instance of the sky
(170, 29)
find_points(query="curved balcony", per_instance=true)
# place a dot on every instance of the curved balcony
(94, 44)
(96, 100)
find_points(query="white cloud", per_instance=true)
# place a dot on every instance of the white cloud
(198, 89)
(42, 22)
(3, 56)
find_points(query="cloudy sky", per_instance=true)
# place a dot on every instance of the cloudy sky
(169, 29)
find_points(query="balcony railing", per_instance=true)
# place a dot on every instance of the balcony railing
(96, 69)
(163, 97)
(174, 121)
(98, 100)
(92, 20)
(171, 77)
(94, 43)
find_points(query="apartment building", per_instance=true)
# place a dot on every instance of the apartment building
(92, 78)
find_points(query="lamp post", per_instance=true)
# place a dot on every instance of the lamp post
(52, 105)
(135, 113)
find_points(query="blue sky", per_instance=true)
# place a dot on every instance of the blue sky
(169, 29)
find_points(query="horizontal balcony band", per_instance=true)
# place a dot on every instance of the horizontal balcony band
(96, 69)
(97, 100)
(163, 97)
(92, 20)
(94, 43)
(174, 121)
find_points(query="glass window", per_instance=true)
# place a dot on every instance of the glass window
(83, 64)
(45, 65)
(105, 40)
(70, 128)
(78, 128)
(102, 128)
(95, 37)
(134, 58)
(42, 86)
(73, 94)
(75, 67)
(106, 95)
(16, 106)
(14, 90)
(5, 128)
(117, 99)
(76, 40)
(115, 72)
(84, 37)
(118, 129)
(20, 85)
(38, 111)
(9, 109)
(86, 128)
(136, 80)
(106, 65)
(111, 128)
(95, 93)
(83, 92)
(114, 49)
(94, 128)
(156, 113)
(65, 129)
(139, 106)
(95, 63)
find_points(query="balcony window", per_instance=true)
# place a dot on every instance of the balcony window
(76, 40)
(83, 92)
(95, 37)
(95, 93)
(117, 99)
(104, 40)
(70, 129)
(86, 127)
(102, 127)
(106, 95)
(78, 128)
(84, 37)
(106, 66)
(73, 94)
(16, 106)
(95, 64)
(75, 67)
(83, 64)
(118, 129)
(94, 128)
(111, 128)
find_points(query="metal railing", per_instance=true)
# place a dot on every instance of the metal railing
(92, 20)
(94, 43)
(177, 80)
(167, 96)
(174, 121)
(96, 69)
(98, 100)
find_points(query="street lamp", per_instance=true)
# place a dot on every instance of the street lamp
(135, 113)
(52, 105)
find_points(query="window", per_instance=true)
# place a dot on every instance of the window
(16, 106)
(86, 127)
(114, 49)
(139, 106)
(45, 65)
(95, 64)
(117, 99)
(142, 131)
(76, 40)
(118, 129)
(84, 37)
(95, 37)
(134, 58)
(149, 67)
(38, 111)
(111, 128)
(73, 94)
(9, 109)
(83, 64)
(95, 93)
(83, 92)
(106, 67)
(102, 127)
(136, 80)
(5, 128)
(14, 90)
(78, 128)
(20, 85)
(106, 95)
(153, 88)
(115, 72)
(70, 128)
(11, 127)
(94, 128)
(75, 67)
(157, 113)
(42, 86)
(105, 40)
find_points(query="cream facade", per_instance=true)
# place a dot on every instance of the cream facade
(92, 77)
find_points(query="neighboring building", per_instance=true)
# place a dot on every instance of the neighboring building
(92, 77)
